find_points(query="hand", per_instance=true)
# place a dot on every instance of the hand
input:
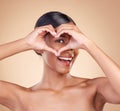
(77, 40)
(36, 39)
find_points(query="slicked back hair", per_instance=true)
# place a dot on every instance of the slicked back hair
(53, 18)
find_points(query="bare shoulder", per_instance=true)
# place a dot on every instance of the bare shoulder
(10, 93)
(11, 86)
(89, 80)
(84, 81)
(10, 90)
(95, 83)
(99, 81)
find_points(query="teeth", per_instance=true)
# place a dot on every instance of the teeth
(64, 58)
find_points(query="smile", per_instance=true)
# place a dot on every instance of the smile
(67, 61)
(65, 58)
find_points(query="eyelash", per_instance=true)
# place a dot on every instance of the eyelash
(60, 41)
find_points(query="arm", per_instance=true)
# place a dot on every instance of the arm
(33, 41)
(111, 86)
(12, 48)
(8, 94)
(109, 67)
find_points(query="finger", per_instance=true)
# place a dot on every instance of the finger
(65, 26)
(63, 49)
(52, 50)
(67, 31)
(45, 29)
(52, 29)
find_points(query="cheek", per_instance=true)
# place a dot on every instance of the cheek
(47, 57)
(76, 53)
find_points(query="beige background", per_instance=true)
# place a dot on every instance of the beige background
(98, 19)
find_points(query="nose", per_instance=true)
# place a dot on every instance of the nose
(68, 53)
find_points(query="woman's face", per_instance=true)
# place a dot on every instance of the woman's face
(63, 63)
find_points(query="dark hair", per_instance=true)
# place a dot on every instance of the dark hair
(54, 18)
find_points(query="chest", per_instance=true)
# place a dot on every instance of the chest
(64, 101)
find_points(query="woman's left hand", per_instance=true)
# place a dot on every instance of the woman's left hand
(78, 39)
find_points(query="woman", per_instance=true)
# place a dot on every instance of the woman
(57, 39)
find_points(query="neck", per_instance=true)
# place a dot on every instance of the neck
(54, 80)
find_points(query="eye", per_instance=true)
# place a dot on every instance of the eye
(60, 41)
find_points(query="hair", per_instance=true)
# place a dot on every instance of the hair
(53, 18)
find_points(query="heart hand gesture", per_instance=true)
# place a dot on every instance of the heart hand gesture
(36, 39)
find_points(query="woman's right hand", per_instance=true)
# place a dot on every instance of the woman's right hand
(36, 40)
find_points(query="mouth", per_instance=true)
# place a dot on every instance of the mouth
(66, 60)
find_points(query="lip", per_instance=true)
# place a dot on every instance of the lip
(66, 61)
(67, 58)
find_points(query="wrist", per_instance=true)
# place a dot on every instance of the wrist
(30, 42)
(26, 45)
(88, 44)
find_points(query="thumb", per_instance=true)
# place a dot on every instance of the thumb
(52, 50)
(62, 50)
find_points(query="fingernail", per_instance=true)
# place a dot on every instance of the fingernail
(54, 33)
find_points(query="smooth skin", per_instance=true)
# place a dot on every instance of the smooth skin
(59, 90)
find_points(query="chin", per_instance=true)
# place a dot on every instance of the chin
(63, 71)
